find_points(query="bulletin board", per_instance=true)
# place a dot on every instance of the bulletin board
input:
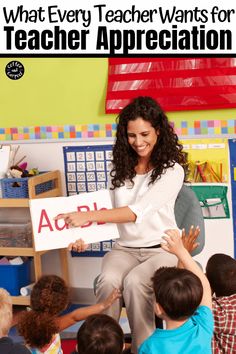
(86, 170)
(213, 152)
(214, 196)
(232, 149)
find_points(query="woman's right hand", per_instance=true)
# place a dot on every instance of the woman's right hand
(73, 219)
(78, 246)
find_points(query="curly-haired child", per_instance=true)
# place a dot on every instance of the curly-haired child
(41, 326)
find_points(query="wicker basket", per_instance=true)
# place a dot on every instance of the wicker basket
(18, 187)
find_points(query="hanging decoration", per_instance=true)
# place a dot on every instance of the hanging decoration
(178, 84)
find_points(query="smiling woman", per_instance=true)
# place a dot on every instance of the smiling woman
(144, 183)
(142, 137)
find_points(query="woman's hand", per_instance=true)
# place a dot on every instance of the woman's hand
(78, 246)
(115, 294)
(74, 219)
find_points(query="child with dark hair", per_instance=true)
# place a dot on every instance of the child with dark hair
(183, 301)
(40, 327)
(6, 344)
(221, 273)
(100, 334)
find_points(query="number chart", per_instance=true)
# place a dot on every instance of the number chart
(86, 170)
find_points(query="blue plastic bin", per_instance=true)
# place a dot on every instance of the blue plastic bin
(14, 277)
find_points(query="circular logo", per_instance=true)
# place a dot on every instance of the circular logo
(14, 70)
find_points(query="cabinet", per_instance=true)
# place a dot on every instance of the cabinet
(53, 176)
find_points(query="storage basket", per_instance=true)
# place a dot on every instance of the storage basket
(18, 187)
(16, 235)
(14, 277)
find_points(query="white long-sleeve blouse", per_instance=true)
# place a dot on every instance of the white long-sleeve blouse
(153, 205)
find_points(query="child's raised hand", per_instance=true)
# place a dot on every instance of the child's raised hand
(78, 246)
(173, 241)
(189, 240)
(115, 294)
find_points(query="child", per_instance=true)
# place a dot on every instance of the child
(6, 344)
(183, 300)
(41, 326)
(100, 334)
(221, 273)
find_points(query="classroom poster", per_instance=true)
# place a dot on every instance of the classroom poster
(87, 167)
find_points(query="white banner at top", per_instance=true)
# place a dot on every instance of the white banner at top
(110, 28)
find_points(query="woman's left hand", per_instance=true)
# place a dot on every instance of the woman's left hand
(78, 246)
(74, 219)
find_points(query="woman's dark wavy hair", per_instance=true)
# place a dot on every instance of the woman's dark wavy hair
(166, 152)
(49, 297)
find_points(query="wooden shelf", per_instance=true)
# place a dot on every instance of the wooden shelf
(30, 252)
(20, 300)
(17, 251)
(14, 203)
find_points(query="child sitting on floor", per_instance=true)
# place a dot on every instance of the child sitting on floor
(183, 300)
(6, 344)
(221, 273)
(100, 334)
(40, 327)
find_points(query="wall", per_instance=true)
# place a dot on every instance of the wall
(55, 91)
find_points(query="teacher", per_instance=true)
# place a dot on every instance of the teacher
(146, 176)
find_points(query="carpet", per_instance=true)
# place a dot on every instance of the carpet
(68, 345)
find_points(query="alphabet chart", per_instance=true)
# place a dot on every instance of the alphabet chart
(86, 170)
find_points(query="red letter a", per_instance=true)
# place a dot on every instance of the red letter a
(44, 215)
